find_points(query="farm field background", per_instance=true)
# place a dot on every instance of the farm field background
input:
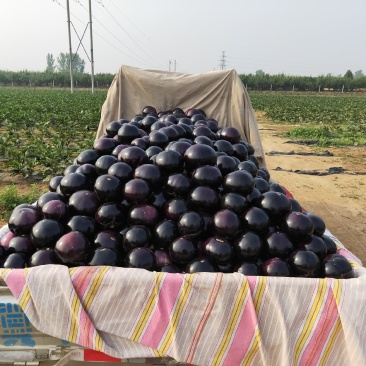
(326, 119)
(331, 125)
(43, 130)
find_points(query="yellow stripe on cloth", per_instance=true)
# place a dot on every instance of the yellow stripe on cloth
(354, 264)
(4, 272)
(98, 342)
(88, 300)
(89, 297)
(253, 349)
(145, 316)
(238, 307)
(75, 308)
(23, 301)
(311, 319)
(94, 287)
(157, 353)
(26, 296)
(331, 341)
(173, 324)
(73, 270)
(258, 297)
(337, 293)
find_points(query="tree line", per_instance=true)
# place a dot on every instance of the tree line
(263, 81)
(53, 79)
(63, 63)
(56, 74)
(257, 81)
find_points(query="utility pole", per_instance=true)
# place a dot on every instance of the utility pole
(70, 49)
(223, 61)
(91, 47)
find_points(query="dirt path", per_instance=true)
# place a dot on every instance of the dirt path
(340, 199)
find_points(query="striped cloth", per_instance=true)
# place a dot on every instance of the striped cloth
(202, 319)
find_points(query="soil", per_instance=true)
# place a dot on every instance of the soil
(340, 199)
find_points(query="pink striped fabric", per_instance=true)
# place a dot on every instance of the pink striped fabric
(318, 340)
(161, 316)
(16, 281)
(203, 319)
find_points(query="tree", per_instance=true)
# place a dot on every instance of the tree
(348, 74)
(50, 63)
(63, 63)
(358, 74)
(260, 72)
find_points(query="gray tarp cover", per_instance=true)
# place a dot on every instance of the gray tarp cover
(221, 94)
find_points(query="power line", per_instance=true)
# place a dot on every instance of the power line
(141, 59)
(118, 23)
(81, 21)
(101, 37)
(156, 46)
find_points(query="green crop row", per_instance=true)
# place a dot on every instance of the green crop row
(338, 120)
(43, 130)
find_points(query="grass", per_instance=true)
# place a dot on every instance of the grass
(10, 198)
(327, 135)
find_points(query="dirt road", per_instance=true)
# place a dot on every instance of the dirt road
(340, 199)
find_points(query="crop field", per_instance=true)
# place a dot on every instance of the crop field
(43, 130)
(326, 119)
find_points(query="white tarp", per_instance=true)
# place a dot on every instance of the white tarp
(221, 94)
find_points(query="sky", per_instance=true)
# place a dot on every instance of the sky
(294, 37)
